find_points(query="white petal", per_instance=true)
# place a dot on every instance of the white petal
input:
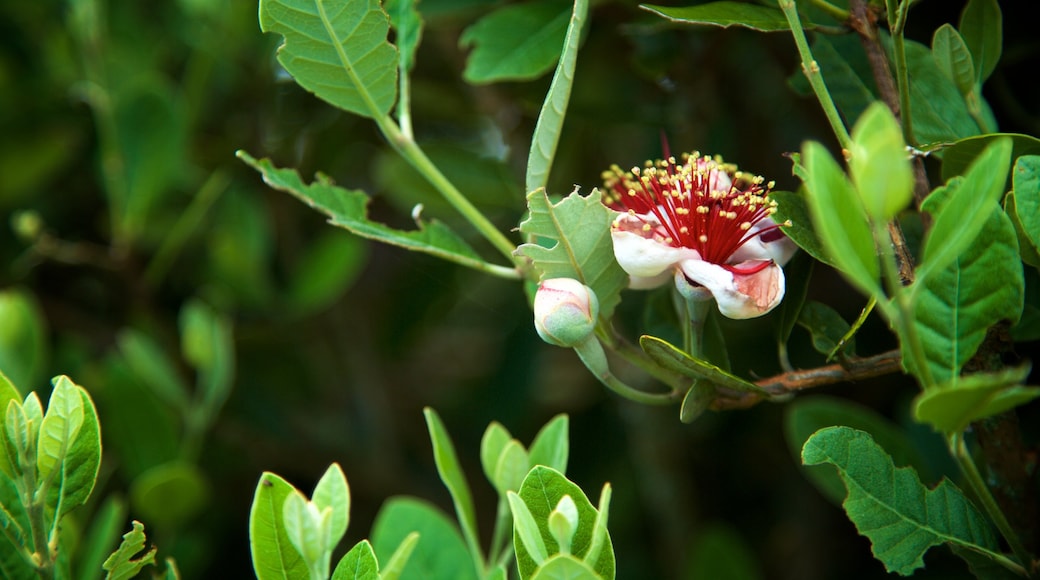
(645, 258)
(779, 250)
(739, 296)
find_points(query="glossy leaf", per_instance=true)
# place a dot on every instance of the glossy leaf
(454, 479)
(840, 219)
(672, 358)
(965, 207)
(515, 42)
(725, 14)
(805, 416)
(336, 50)
(981, 25)
(954, 58)
(577, 230)
(952, 406)
(542, 490)
(131, 556)
(273, 554)
(358, 564)
(551, 446)
(793, 207)
(554, 109)
(959, 156)
(439, 554)
(348, 209)
(826, 327)
(60, 426)
(879, 164)
(888, 505)
(1026, 195)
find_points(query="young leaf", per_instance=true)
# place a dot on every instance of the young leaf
(565, 567)
(440, 553)
(582, 249)
(59, 428)
(550, 120)
(954, 58)
(952, 406)
(455, 480)
(75, 481)
(1026, 195)
(542, 490)
(18, 534)
(673, 359)
(725, 14)
(961, 211)
(359, 563)
(333, 492)
(528, 537)
(888, 505)
(551, 446)
(513, 465)
(273, 554)
(879, 164)
(208, 344)
(492, 443)
(129, 559)
(308, 530)
(336, 50)
(8, 456)
(348, 209)
(955, 306)
(399, 559)
(840, 219)
(516, 42)
(981, 25)
(826, 327)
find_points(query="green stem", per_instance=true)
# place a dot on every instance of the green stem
(811, 69)
(187, 223)
(33, 499)
(500, 536)
(853, 329)
(897, 22)
(836, 12)
(959, 450)
(591, 353)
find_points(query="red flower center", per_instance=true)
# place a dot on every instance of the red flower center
(701, 204)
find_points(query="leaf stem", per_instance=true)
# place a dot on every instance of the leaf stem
(896, 24)
(188, 222)
(591, 353)
(853, 329)
(835, 12)
(959, 450)
(811, 69)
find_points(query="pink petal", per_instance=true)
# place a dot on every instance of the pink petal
(739, 296)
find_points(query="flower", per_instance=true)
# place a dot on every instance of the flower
(565, 311)
(704, 223)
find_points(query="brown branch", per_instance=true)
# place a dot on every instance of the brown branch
(792, 382)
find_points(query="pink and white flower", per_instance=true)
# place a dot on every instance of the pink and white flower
(703, 220)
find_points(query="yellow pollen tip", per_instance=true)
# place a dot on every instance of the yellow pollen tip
(745, 226)
(703, 238)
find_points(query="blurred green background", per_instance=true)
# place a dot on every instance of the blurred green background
(130, 228)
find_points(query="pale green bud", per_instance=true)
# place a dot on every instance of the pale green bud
(565, 311)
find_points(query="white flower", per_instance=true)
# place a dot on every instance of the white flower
(706, 220)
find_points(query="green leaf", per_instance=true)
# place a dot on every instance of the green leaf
(513, 465)
(542, 490)
(359, 563)
(826, 327)
(726, 14)
(579, 230)
(516, 42)
(954, 58)
(952, 406)
(154, 369)
(8, 458)
(13, 563)
(879, 164)
(273, 554)
(454, 479)
(889, 505)
(336, 50)
(939, 111)
(959, 156)
(805, 416)
(564, 567)
(79, 471)
(672, 358)
(348, 209)
(846, 72)
(408, 27)
(954, 307)
(551, 446)
(492, 443)
(129, 558)
(793, 207)
(328, 267)
(797, 274)
(399, 559)
(1026, 248)
(840, 219)
(963, 208)
(440, 553)
(720, 553)
(554, 109)
(526, 531)
(333, 492)
(59, 428)
(1026, 195)
(696, 401)
(208, 344)
(308, 531)
(23, 345)
(981, 25)
(170, 494)
(99, 537)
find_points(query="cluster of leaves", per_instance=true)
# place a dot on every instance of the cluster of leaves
(555, 531)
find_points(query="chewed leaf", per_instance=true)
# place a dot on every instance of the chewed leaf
(348, 209)
(891, 507)
(578, 229)
(337, 50)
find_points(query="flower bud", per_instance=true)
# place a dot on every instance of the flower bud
(565, 311)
